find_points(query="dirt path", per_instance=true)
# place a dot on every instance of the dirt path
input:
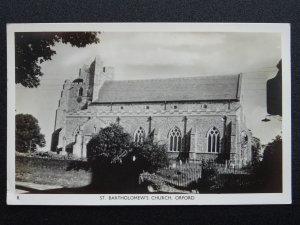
(26, 187)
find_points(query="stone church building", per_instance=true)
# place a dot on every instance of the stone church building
(202, 116)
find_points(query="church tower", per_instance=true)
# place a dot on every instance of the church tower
(99, 74)
(78, 94)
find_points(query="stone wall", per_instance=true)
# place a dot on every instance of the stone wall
(72, 127)
(201, 117)
(76, 102)
(62, 106)
(199, 121)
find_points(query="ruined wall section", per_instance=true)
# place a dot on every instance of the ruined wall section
(62, 106)
(99, 74)
(87, 76)
(78, 97)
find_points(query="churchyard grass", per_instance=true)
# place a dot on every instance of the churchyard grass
(51, 172)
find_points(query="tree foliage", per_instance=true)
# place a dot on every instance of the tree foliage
(150, 155)
(268, 173)
(273, 152)
(112, 143)
(272, 164)
(255, 148)
(28, 135)
(33, 48)
(116, 161)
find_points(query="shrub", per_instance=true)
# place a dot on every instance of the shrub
(150, 155)
(214, 182)
(152, 180)
(111, 144)
(114, 145)
(116, 161)
(255, 148)
(209, 181)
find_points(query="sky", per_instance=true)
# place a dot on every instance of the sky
(163, 55)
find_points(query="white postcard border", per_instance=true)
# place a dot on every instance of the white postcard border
(134, 199)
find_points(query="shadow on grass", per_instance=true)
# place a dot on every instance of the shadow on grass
(107, 178)
(89, 189)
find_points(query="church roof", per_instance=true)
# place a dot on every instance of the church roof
(172, 89)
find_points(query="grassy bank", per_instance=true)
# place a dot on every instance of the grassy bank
(51, 171)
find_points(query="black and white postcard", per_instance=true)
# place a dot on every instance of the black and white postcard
(148, 114)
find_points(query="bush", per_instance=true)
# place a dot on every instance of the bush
(111, 144)
(255, 148)
(214, 182)
(117, 162)
(114, 145)
(152, 180)
(209, 181)
(150, 155)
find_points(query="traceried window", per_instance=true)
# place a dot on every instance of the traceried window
(174, 140)
(80, 92)
(213, 140)
(139, 135)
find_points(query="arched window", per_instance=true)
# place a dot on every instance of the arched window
(174, 140)
(139, 135)
(213, 140)
(80, 91)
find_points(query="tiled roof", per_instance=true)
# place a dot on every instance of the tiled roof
(173, 89)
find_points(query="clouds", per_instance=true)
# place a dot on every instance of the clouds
(209, 52)
(161, 55)
(214, 53)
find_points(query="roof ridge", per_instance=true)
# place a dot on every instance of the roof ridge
(176, 78)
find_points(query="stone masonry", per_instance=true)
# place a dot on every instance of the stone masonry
(90, 103)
